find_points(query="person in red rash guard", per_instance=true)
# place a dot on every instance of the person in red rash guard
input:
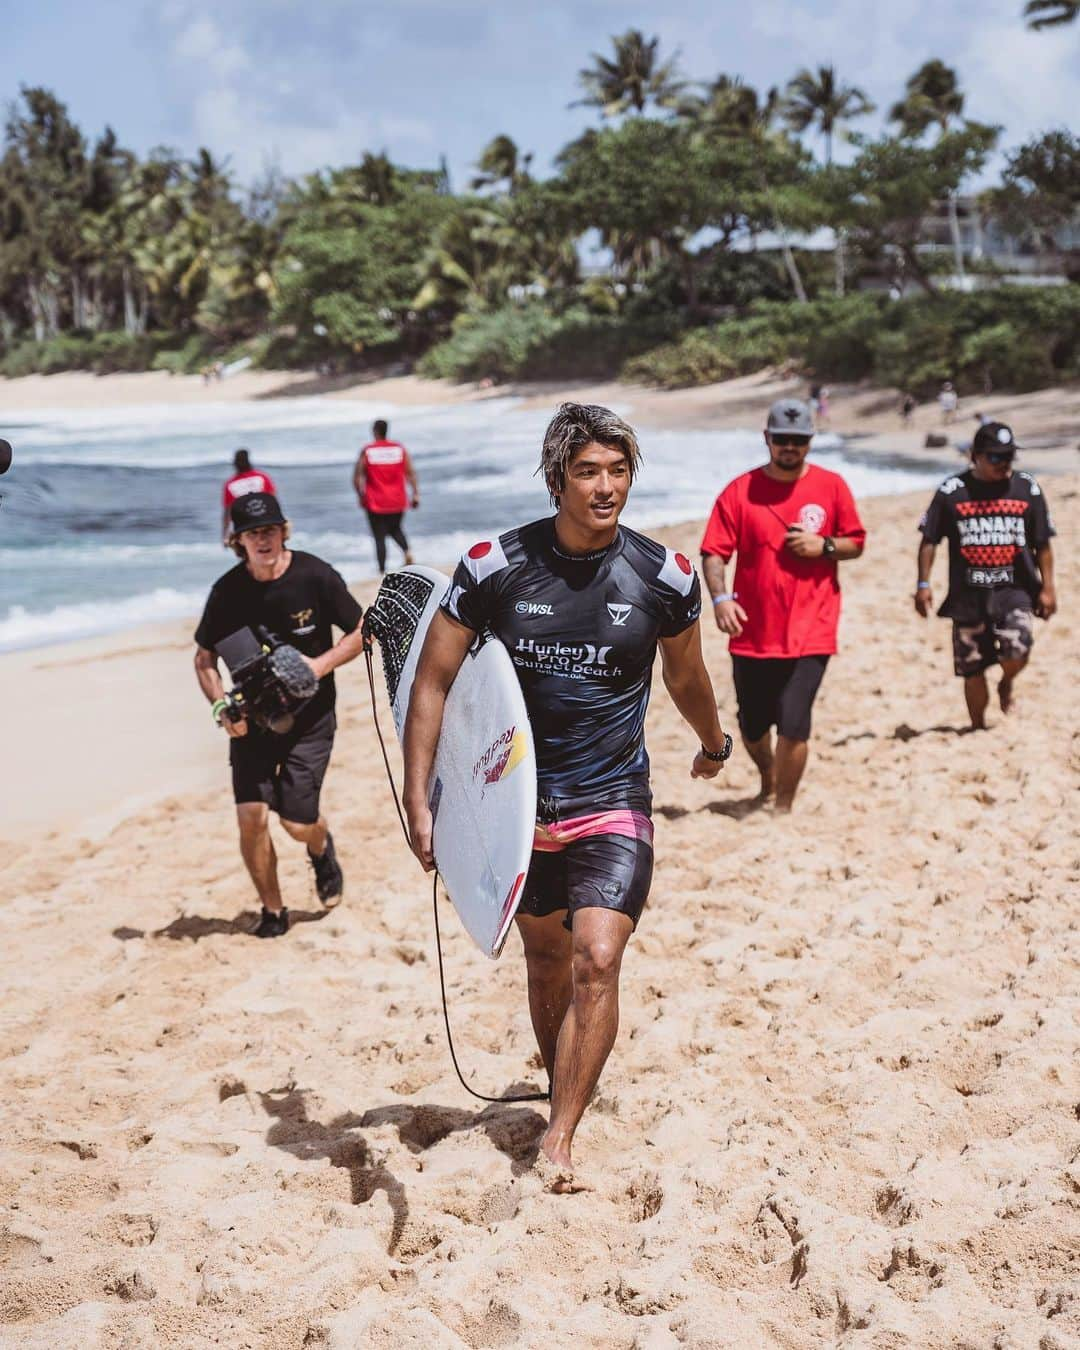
(789, 523)
(382, 471)
(245, 479)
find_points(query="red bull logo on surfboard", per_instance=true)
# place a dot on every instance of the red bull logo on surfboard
(500, 758)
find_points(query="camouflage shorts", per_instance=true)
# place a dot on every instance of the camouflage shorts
(1008, 637)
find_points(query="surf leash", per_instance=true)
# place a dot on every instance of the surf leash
(480, 1096)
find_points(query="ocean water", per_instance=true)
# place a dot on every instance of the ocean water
(110, 518)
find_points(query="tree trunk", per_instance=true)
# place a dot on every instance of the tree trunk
(134, 311)
(954, 227)
(841, 261)
(791, 265)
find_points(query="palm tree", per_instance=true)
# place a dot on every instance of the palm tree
(933, 98)
(819, 98)
(501, 162)
(1050, 13)
(630, 80)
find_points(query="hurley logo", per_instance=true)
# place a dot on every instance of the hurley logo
(619, 614)
(301, 617)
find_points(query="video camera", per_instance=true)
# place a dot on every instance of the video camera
(271, 680)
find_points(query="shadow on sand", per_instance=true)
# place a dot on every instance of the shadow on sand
(195, 926)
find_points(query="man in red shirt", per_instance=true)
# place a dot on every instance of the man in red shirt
(245, 479)
(790, 523)
(382, 470)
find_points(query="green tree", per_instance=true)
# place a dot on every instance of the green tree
(933, 98)
(45, 178)
(893, 186)
(1050, 13)
(350, 264)
(1040, 187)
(728, 109)
(502, 167)
(635, 77)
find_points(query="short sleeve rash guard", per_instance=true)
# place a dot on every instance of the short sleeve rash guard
(582, 634)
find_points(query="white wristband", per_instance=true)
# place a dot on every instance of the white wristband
(721, 599)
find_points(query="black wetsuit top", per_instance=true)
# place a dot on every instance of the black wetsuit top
(582, 633)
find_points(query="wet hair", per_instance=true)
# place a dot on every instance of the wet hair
(238, 548)
(573, 427)
(380, 428)
(242, 461)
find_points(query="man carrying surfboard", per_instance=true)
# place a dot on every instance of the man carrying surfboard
(581, 604)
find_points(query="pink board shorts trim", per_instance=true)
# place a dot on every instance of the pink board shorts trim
(555, 836)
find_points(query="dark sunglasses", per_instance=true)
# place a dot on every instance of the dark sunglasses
(1000, 456)
(787, 442)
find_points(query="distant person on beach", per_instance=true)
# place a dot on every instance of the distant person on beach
(1001, 566)
(907, 409)
(948, 402)
(297, 598)
(244, 479)
(790, 523)
(382, 472)
(582, 605)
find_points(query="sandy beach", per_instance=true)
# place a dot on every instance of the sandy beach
(843, 1105)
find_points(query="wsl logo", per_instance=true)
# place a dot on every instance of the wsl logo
(619, 614)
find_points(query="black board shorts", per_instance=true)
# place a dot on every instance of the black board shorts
(286, 772)
(589, 855)
(777, 692)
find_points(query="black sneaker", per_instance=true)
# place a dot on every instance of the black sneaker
(329, 879)
(274, 923)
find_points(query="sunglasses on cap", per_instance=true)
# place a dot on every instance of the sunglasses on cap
(779, 438)
(1000, 456)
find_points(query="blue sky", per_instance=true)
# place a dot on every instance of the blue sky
(316, 83)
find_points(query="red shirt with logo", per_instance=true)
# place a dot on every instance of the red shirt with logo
(385, 464)
(792, 604)
(240, 484)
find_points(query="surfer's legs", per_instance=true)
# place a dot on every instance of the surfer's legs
(591, 1023)
(257, 850)
(397, 534)
(547, 960)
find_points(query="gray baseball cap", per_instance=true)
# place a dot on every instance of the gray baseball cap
(790, 415)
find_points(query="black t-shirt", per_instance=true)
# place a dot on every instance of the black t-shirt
(993, 531)
(582, 633)
(298, 607)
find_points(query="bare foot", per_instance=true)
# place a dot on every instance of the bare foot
(1005, 694)
(557, 1178)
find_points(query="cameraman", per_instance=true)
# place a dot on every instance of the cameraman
(296, 597)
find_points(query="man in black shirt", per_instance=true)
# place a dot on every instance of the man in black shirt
(296, 597)
(582, 604)
(1001, 566)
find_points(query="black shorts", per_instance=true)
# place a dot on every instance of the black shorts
(777, 692)
(594, 869)
(285, 772)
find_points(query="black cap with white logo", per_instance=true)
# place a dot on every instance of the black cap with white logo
(254, 510)
(994, 436)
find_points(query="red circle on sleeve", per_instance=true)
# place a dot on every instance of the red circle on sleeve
(480, 550)
(684, 563)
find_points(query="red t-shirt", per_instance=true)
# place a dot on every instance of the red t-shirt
(384, 464)
(792, 604)
(240, 484)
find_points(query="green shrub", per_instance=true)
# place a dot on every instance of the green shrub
(532, 341)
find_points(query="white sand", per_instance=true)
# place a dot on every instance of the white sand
(842, 1108)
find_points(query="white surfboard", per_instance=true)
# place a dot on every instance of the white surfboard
(483, 784)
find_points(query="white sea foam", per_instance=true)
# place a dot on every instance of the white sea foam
(28, 628)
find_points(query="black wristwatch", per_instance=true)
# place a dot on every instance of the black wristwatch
(828, 547)
(719, 756)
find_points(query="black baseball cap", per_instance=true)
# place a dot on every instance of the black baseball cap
(254, 510)
(994, 436)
